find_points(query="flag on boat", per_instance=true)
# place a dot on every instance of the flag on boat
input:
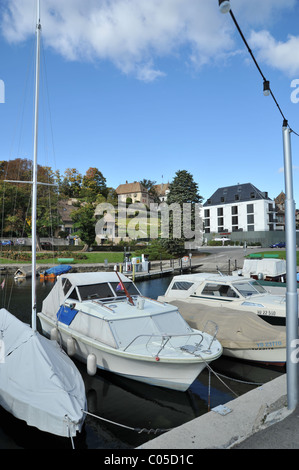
(119, 287)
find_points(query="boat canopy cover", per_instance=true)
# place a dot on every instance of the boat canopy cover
(61, 269)
(236, 329)
(39, 383)
(65, 285)
(266, 266)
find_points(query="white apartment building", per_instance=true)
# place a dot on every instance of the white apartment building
(242, 207)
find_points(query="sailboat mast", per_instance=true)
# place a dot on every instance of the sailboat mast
(34, 176)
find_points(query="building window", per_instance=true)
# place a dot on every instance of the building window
(250, 219)
(207, 222)
(220, 211)
(207, 213)
(249, 208)
(234, 210)
(250, 228)
(235, 220)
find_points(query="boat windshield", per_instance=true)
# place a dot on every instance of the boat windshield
(96, 291)
(249, 288)
(117, 288)
(106, 290)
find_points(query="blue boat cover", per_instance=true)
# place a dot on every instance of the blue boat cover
(66, 314)
(61, 269)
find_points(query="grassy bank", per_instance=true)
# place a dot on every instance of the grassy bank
(47, 258)
(281, 254)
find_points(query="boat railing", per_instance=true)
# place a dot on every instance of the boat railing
(164, 339)
(211, 328)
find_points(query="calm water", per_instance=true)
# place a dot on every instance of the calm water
(124, 401)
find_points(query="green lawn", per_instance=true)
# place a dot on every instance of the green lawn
(92, 258)
(281, 254)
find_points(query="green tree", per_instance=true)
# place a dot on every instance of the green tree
(70, 186)
(150, 186)
(93, 184)
(84, 223)
(182, 190)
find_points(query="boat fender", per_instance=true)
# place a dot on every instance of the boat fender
(71, 346)
(91, 364)
(54, 334)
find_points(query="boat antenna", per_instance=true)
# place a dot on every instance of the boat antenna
(126, 292)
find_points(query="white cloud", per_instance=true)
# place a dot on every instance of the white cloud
(280, 55)
(133, 34)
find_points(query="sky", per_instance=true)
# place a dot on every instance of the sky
(145, 88)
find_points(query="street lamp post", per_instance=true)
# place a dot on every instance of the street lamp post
(291, 258)
(290, 234)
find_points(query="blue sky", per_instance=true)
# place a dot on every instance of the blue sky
(144, 88)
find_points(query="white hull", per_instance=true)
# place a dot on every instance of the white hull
(175, 372)
(262, 356)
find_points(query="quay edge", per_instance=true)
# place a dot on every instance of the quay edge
(246, 415)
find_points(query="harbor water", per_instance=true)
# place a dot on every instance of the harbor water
(124, 413)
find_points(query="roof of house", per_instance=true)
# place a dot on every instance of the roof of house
(161, 188)
(65, 208)
(129, 188)
(233, 194)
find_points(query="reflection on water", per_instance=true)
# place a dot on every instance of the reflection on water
(134, 405)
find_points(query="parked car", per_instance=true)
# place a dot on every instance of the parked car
(46, 245)
(278, 245)
(20, 241)
(6, 242)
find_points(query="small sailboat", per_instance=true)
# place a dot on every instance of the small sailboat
(38, 381)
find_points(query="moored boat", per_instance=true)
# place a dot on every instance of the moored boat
(243, 335)
(233, 292)
(104, 321)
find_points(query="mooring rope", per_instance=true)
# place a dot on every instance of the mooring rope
(139, 430)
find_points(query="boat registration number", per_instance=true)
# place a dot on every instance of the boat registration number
(271, 313)
(269, 344)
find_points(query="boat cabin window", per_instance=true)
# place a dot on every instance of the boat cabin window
(182, 285)
(95, 291)
(117, 288)
(73, 295)
(249, 288)
(66, 285)
(219, 290)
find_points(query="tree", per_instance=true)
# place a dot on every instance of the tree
(93, 184)
(84, 224)
(71, 183)
(150, 186)
(16, 198)
(183, 192)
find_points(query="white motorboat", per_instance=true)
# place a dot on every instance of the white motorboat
(103, 320)
(233, 292)
(243, 335)
(267, 269)
(38, 382)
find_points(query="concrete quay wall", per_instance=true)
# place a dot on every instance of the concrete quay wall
(224, 427)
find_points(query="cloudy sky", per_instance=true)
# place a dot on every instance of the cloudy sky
(144, 88)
